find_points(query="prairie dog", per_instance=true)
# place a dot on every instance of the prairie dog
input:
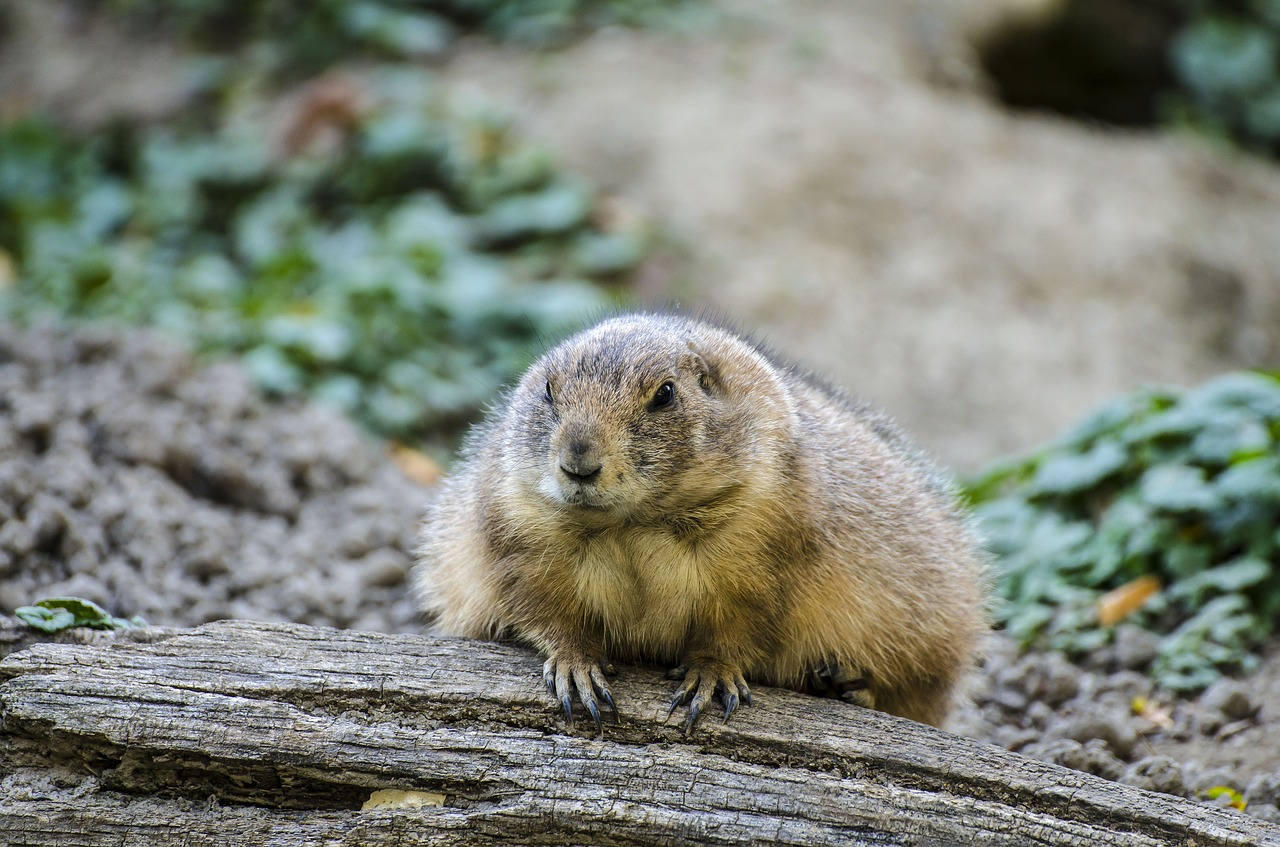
(658, 489)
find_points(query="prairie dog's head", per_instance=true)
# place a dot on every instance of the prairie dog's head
(643, 414)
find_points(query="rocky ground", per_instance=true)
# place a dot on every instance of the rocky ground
(133, 477)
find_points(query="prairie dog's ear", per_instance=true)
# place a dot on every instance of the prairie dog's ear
(705, 369)
(709, 376)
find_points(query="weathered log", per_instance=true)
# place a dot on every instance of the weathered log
(243, 733)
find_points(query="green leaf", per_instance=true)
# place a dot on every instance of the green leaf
(407, 34)
(1178, 488)
(1230, 433)
(1175, 423)
(996, 478)
(557, 209)
(1193, 679)
(1246, 390)
(1214, 612)
(54, 614)
(1024, 625)
(272, 371)
(1223, 579)
(1111, 417)
(1238, 575)
(1187, 560)
(1256, 479)
(1080, 641)
(321, 339)
(48, 620)
(1217, 57)
(599, 254)
(1070, 474)
(84, 611)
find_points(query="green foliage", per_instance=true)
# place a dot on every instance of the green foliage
(309, 34)
(404, 269)
(1181, 486)
(1225, 59)
(58, 613)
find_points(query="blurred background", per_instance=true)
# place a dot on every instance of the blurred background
(984, 215)
(263, 262)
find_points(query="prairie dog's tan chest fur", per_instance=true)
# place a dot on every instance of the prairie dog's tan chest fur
(658, 489)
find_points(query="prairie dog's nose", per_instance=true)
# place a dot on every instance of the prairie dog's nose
(580, 461)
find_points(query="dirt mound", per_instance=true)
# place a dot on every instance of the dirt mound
(134, 478)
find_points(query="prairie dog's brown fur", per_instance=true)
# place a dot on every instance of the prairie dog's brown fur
(658, 489)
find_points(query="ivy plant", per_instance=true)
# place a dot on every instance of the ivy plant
(55, 614)
(306, 35)
(404, 271)
(1226, 62)
(1180, 485)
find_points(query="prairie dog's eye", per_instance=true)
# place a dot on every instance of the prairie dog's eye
(664, 396)
(548, 395)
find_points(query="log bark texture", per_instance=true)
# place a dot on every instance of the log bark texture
(260, 734)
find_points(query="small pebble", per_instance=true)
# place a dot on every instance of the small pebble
(1128, 685)
(1059, 681)
(1263, 790)
(1092, 757)
(1135, 647)
(1013, 738)
(1038, 715)
(1009, 699)
(1231, 698)
(1233, 728)
(1114, 730)
(1156, 773)
(1199, 781)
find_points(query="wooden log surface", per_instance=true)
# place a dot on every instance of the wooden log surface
(266, 734)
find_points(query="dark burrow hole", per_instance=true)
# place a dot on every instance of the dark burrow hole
(1097, 60)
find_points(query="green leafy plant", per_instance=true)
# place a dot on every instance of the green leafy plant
(55, 614)
(1225, 59)
(306, 35)
(404, 271)
(1182, 486)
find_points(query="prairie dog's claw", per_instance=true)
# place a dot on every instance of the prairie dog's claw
(704, 682)
(566, 673)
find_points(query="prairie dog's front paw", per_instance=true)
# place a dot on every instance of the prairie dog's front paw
(705, 680)
(565, 671)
